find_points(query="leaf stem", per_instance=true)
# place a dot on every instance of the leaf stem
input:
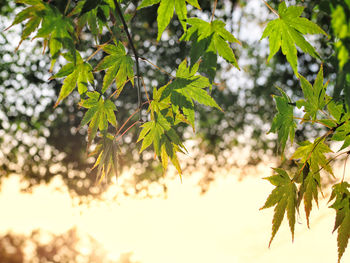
(346, 159)
(126, 29)
(67, 7)
(212, 15)
(272, 10)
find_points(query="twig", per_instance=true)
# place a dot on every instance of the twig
(157, 67)
(67, 7)
(329, 161)
(309, 156)
(121, 87)
(317, 121)
(121, 135)
(132, 115)
(97, 50)
(144, 86)
(126, 29)
(346, 159)
(212, 15)
(273, 10)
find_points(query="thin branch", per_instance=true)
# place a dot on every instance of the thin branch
(212, 15)
(97, 50)
(157, 67)
(272, 10)
(329, 161)
(126, 29)
(346, 159)
(317, 121)
(132, 115)
(121, 135)
(144, 86)
(67, 7)
(121, 87)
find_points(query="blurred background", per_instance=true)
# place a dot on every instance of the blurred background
(53, 210)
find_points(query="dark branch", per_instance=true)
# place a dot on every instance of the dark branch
(138, 84)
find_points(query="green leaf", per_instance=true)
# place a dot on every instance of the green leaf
(283, 123)
(89, 5)
(309, 190)
(186, 88)
(208, 40)
(284, 198)
(315, 96)
(341, 205)
(107, 152)
(166, 12)
(77, 75)
(56, 27)
(164, 138)
(99, 113)
(119, 67)
(34, 14)
(287, 31)
(146, 3)
(314, 153)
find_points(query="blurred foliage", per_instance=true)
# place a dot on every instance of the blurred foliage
(43, 247)
(41, 142)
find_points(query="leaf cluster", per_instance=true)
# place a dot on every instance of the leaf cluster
(319, 109)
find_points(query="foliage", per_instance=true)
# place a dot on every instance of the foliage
(66, 247)
(319, 109)
(171, 104)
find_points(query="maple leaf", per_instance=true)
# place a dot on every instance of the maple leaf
(34, 16)
(314, 154)
(284, 198)
(59, 29)
(94, 13)
(313, 159)
(287, 31)
(283, 123)
(166, 12)
(209, 39)
(99, 113)
(342, 220)
(77, 74)
(186, 88)
(119, 66)
(315, 96)
(107, 157)
(342, 117)
(308, 190)
(164, 138)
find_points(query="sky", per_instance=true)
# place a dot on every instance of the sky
(224, 225)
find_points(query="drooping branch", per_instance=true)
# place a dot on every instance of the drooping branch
(126, 29)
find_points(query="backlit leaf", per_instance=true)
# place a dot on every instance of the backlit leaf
(119, 67)
(341, 205)
(283, 123)
(166, 12)
(287, 31)
(284, 198)
(208, 40)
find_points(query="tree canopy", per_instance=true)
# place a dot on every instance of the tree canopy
(132, 78)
